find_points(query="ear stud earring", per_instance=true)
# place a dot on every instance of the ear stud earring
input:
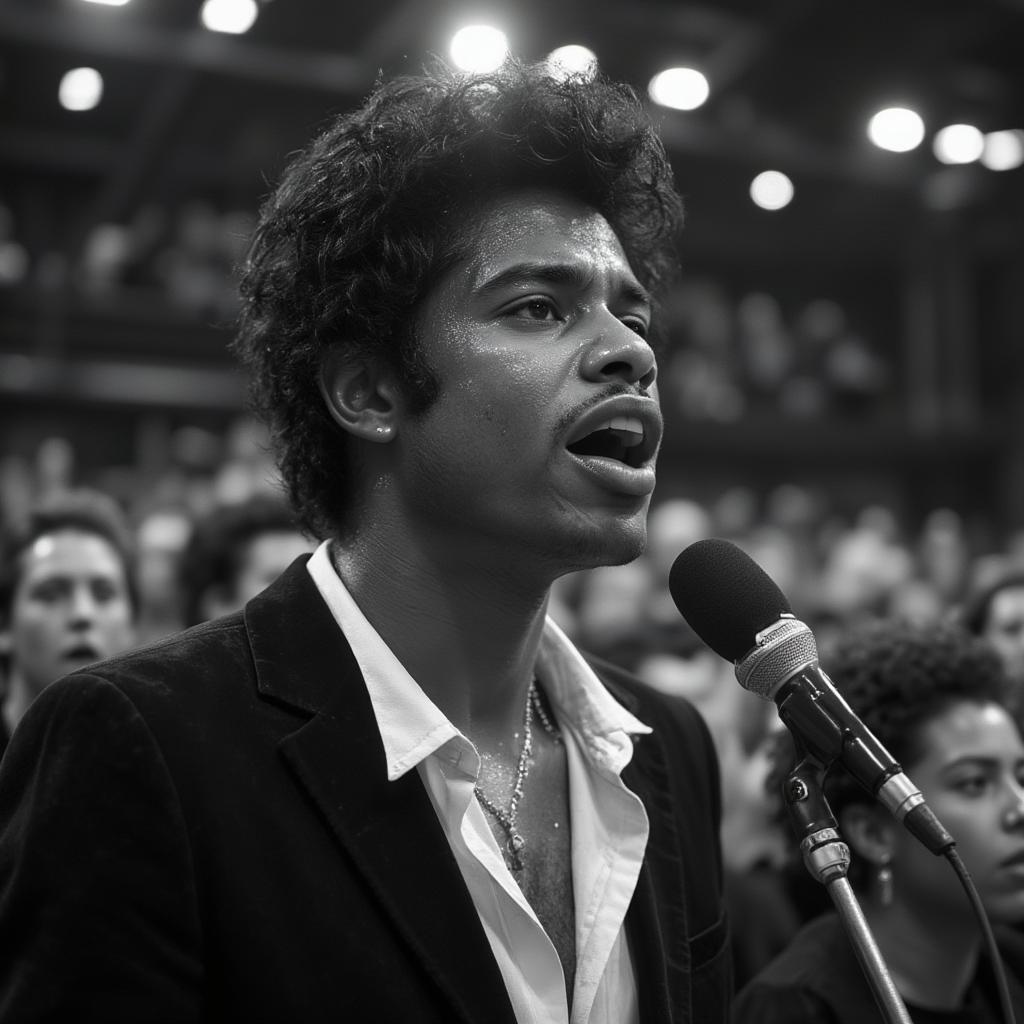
(884, 882)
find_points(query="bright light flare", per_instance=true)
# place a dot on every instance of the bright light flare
(80, 89)
(108, 3)
(771, 190)
(478, 48)
(232, 16)
(958, 144)
(897, 129)
(571, 60)
(679, 88)
(1004, 150)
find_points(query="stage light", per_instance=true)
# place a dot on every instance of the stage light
(897, 129)
(478, 48)
(679, 88)
(108, 3)
(958, 144)
(1004, 150)
(232, 16)
(80, 89)
(572, 60)
(771, 190)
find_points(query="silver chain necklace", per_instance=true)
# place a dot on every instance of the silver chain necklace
(514, 842)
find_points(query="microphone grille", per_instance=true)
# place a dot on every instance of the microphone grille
(725, 596)
(781, 650)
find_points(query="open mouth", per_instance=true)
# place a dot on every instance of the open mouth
(80, 651)
(621, 438)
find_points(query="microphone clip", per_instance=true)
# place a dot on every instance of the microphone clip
(825, 855)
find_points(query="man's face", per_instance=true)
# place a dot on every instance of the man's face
(544, 435)
(71, 607)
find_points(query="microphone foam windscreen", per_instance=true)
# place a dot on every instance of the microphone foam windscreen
(725, 596)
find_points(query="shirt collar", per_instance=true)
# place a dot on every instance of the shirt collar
(412, 727)
(604, 728)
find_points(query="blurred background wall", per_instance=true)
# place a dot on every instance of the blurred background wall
(843, 351)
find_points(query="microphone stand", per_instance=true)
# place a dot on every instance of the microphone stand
(827, 858)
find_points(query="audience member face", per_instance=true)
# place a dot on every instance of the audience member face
(266, 557)
(71, 607)
(1004, 629)
(529, 337)
(972, 777)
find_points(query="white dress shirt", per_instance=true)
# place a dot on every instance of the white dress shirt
(609, 824)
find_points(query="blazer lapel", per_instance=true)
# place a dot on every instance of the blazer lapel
(390, 829)
(656, 920)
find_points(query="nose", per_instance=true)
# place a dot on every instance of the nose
(83, 607)
(1013, 817)
(618, 353)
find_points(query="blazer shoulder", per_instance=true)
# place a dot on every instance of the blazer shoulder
(198, 664)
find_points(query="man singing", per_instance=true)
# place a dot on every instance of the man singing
(391, 789)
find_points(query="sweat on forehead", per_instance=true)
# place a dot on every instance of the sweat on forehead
(493, 225)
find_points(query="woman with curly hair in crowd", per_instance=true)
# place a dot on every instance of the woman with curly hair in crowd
(936, 698)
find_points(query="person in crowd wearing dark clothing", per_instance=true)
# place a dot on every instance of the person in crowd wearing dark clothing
(234, 552)
(391, 789)
(67, 595)
(936, 698)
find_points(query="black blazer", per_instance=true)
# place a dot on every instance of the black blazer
(204, 830)
(818, 980)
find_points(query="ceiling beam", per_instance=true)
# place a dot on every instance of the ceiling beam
(199, 49)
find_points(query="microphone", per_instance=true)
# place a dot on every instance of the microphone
(735, 607)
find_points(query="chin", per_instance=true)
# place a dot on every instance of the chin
(614, 544)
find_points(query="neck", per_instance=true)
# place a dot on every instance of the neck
(932, 965)
(468, 637)
(19, 696)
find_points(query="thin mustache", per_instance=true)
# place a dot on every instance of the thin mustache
(614, 391)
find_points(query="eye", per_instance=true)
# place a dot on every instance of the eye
(536, 307)
(637, 325)
(103, 591)
(49, 591)
(971, 785)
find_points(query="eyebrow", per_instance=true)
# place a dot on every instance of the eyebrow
(980, 761)
(571, 274)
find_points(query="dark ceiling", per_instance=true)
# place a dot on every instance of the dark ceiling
(187, 113)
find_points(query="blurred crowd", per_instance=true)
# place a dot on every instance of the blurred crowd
(837, 568)
(92, 568)
(729, 352)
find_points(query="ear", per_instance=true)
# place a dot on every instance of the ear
(870, 830)
(361, 396)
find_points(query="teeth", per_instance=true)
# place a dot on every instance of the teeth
(628, 429)
(628, 423)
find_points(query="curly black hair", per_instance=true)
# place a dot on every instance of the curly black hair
(374, 210)
(897, 677)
